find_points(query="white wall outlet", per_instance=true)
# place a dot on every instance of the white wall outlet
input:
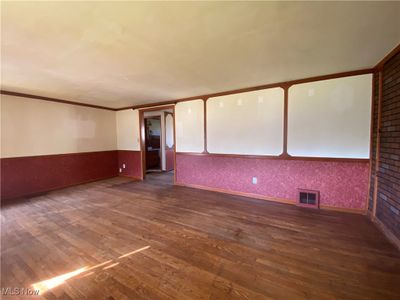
(123, 166)
(120, 170)
(254, 180)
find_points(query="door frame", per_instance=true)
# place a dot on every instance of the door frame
(142, 131)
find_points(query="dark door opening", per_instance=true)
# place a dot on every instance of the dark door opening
(153, 143)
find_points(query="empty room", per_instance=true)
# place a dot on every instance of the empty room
(200, 150)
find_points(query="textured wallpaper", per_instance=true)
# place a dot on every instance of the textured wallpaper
(341, 184)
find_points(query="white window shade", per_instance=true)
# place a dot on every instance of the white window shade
(330, 118)
(246, 123)
(189, 121)
(169, 130)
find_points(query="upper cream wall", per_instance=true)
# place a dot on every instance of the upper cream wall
(330, 118)
(128, 137)
(34, 127)
(246, 123)
(189, 122)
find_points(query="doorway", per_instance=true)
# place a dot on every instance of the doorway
(157, 135)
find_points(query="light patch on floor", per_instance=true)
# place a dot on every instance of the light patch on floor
(48, 284)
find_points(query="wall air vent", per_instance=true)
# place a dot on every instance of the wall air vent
(308, 198)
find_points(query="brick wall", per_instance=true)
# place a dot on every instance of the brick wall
(388, 196)
(374, 136)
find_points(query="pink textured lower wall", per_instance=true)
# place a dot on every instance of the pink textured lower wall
(25, 176)
(132, 161)
(341, 184)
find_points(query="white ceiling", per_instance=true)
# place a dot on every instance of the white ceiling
(117, 54)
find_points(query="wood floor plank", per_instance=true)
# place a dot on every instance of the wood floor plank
(152, 240)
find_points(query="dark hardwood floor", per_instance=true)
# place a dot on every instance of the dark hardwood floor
(118, 239)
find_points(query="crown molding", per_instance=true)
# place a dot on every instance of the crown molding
(16, 94)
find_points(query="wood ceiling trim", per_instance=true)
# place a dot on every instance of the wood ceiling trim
(392, 53)
(16, 94)
(284, 84)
